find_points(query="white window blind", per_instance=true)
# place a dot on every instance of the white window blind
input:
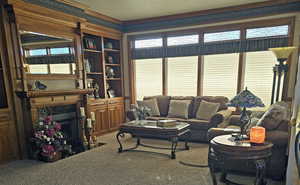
(220, 75)
(182, 76)
(259, 74)
(148, 77)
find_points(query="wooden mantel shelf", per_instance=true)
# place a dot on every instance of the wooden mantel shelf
(41, 93)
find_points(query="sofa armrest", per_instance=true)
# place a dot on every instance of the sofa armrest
(219, 117)
(278, 138)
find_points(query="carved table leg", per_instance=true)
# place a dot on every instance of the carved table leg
(118, 139)
(260, 172)
(186, 140)
(174, 141)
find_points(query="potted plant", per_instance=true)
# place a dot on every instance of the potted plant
(48, 142)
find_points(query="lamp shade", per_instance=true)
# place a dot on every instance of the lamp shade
(246, 99)
(282, 53)
(257, 134)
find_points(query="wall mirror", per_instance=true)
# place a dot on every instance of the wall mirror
(47, 55)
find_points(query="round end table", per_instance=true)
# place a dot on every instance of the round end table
(224, 148)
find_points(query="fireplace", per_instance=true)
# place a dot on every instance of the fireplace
(67, 116)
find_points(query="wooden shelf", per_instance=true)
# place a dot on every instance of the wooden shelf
(112, 50)
(113, 78)
(90, 50)
(112, 64)
(94, 73)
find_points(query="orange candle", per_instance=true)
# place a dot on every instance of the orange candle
(257, 134)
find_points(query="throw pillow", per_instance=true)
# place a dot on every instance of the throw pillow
(206, 110)
(179, 109)
(152, 105)
(273, 117)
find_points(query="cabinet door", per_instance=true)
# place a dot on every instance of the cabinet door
(102, 123)
(116, 115)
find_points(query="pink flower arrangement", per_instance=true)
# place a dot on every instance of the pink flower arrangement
(48, 138)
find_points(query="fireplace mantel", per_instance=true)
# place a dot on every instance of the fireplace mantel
(41, 93)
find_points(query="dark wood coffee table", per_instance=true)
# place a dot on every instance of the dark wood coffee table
(224, 149)
(144, 128)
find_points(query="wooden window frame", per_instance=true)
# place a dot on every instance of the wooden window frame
(290, 21)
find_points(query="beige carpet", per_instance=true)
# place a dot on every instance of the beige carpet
(104, 166)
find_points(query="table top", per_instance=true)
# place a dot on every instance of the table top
(226, 145)
(149, 124)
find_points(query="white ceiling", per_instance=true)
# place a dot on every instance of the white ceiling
(138, 9)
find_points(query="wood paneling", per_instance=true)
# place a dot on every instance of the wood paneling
(8, 141)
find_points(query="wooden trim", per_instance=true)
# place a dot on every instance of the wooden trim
(100, 31)
(74, 4)
(51, 77)
(33, 94)
(210, 11)
(102, 16)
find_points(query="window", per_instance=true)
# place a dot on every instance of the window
(57, 51)
(222, 36)
(220, 75)
(37, 52)
(267, 31)
(182, 40)
(182, 76)
(148, 77)
(259, 74)
(149, 43)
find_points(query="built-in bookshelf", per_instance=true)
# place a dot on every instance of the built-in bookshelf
(103, 67)
(3, 99)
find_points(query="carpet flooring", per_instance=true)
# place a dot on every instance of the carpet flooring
(104, 166)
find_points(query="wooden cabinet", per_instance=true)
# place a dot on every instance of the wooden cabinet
(109, 114)
(115, 115)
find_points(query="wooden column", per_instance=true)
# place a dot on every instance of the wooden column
(13, 68)
(200, 69)
(165, 69)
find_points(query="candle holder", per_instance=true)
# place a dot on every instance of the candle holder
(83, 132)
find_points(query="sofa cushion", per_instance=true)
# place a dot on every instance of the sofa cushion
(179, 109)
(215, 99)
(190, 98)
(152, 105)
(206, 110)
(162, 102)
(273, 117)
